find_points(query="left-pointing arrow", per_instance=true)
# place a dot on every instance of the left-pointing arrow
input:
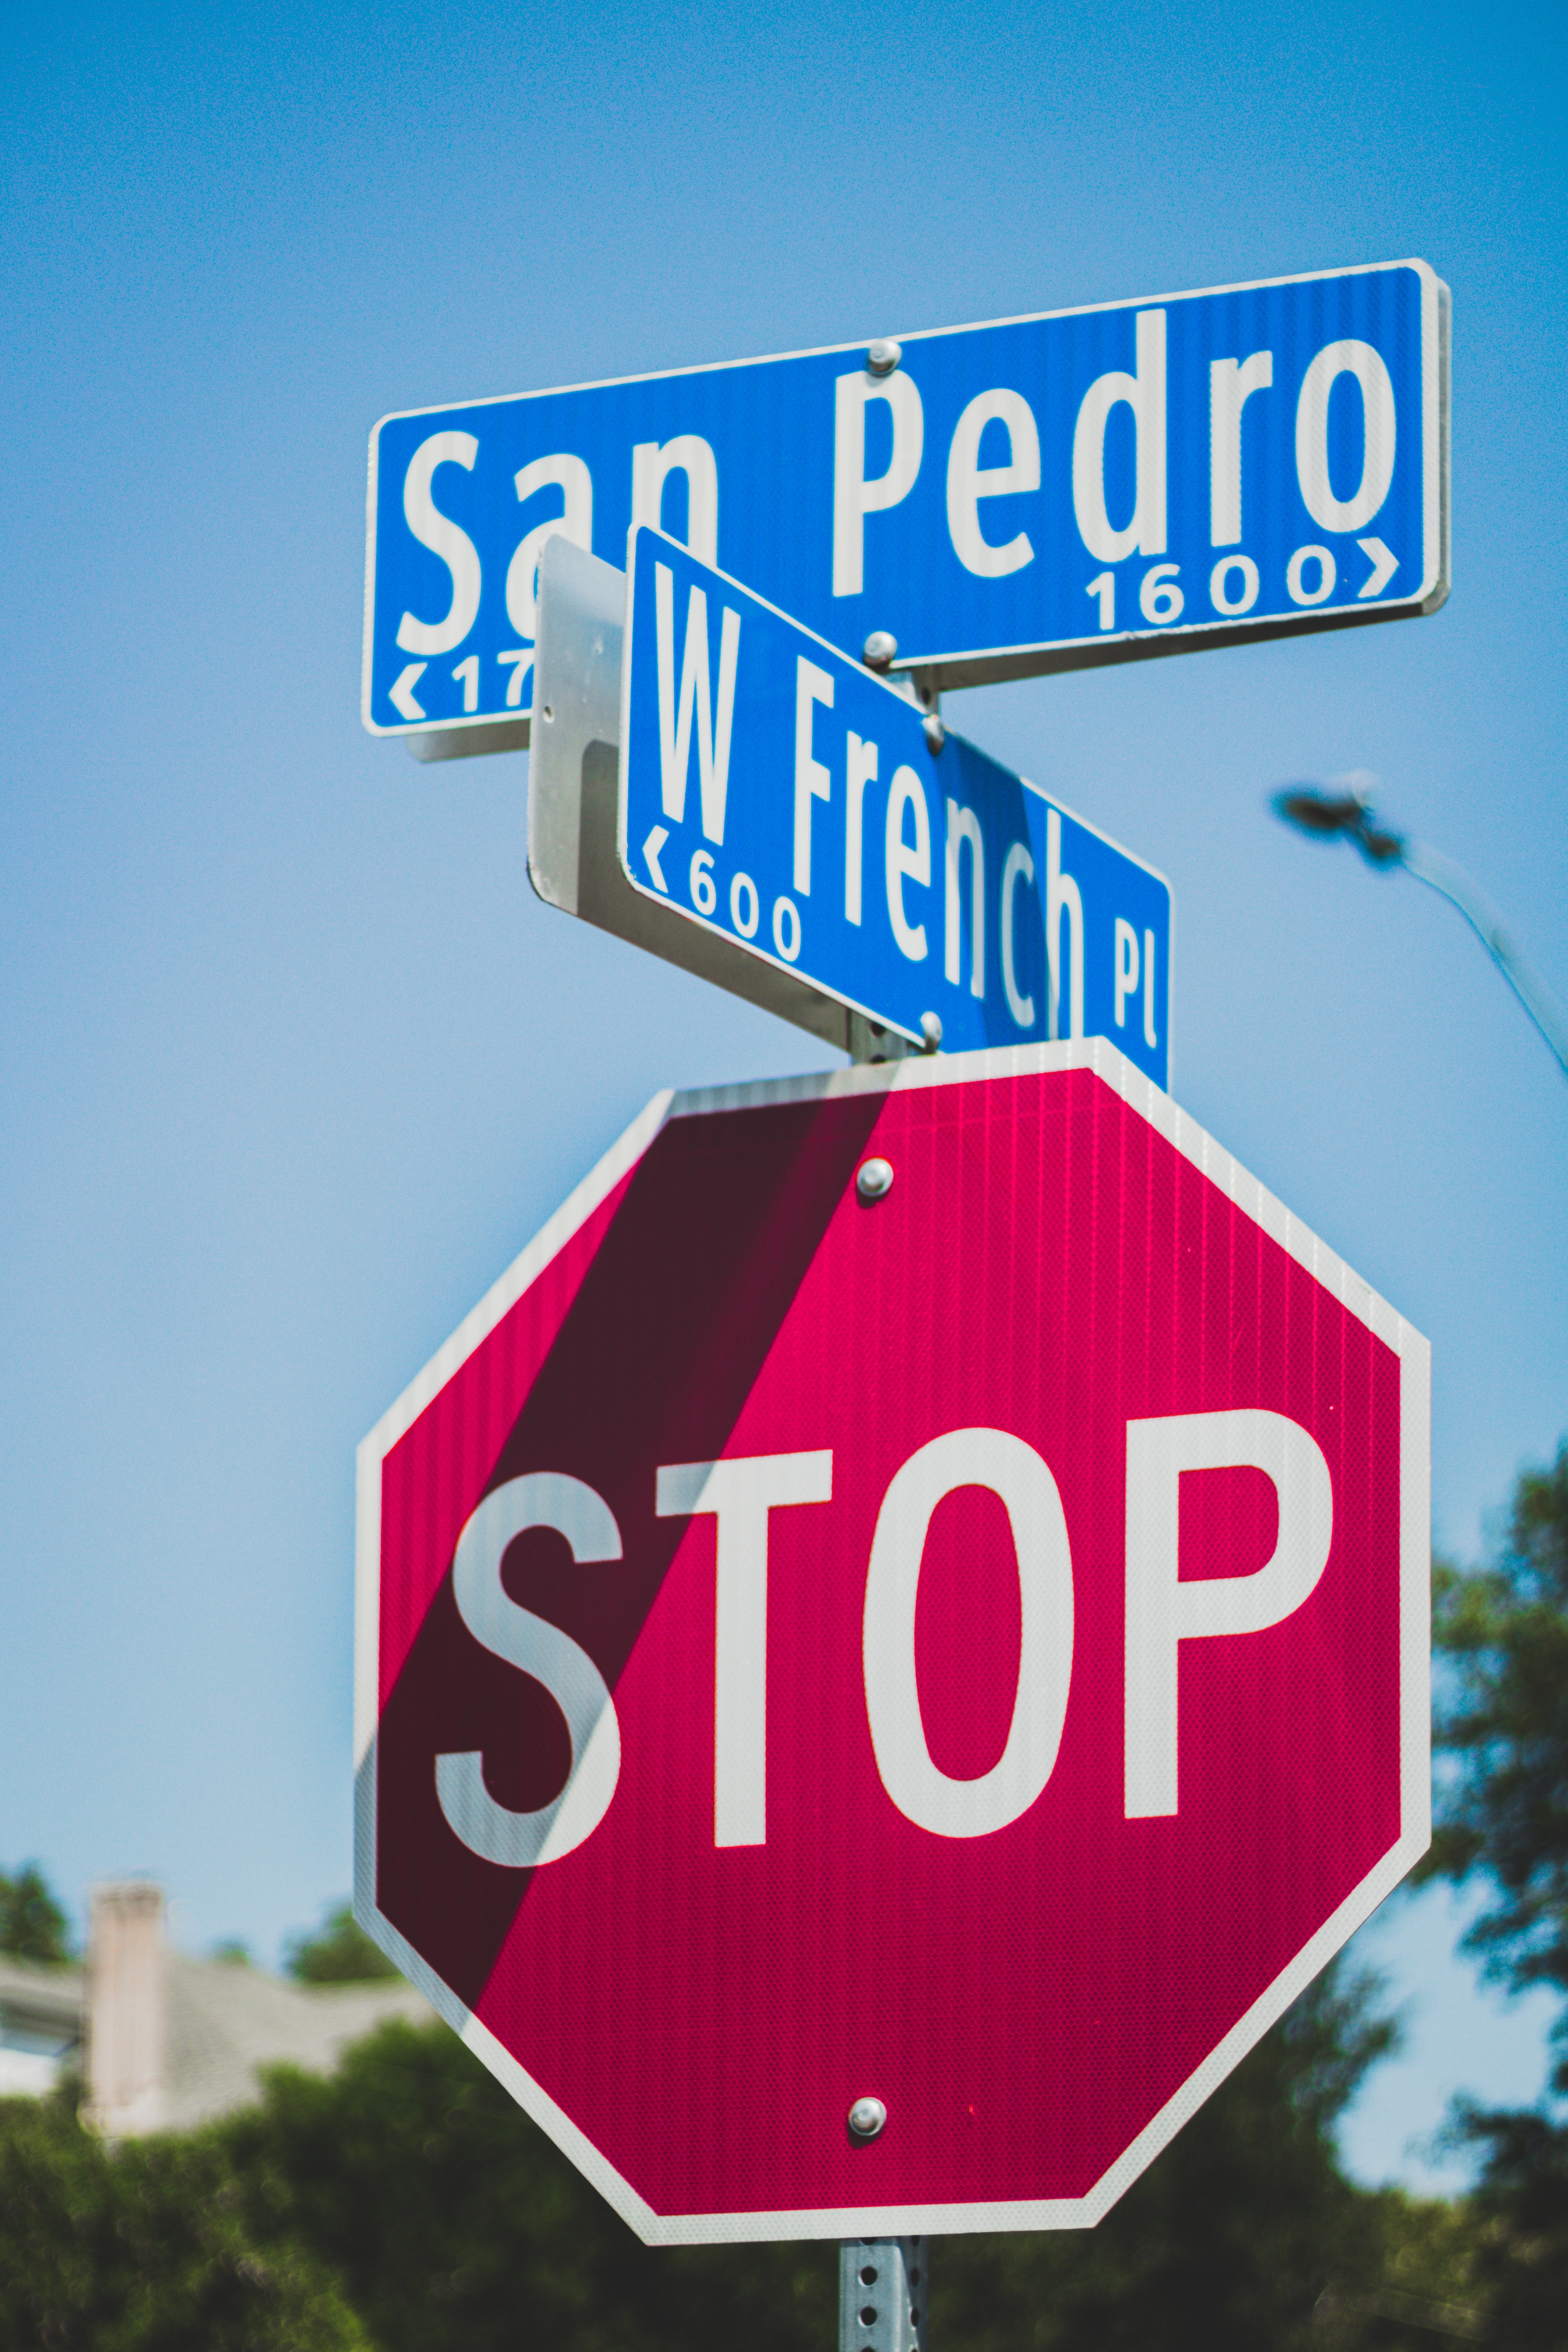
(401, 696)
(650, 850)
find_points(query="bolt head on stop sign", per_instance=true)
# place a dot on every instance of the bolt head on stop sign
(946, 1653)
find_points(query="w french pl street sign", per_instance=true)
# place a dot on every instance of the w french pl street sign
(797, 807)
(1036, 494)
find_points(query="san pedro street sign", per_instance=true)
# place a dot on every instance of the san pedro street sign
(912, 1591)
(787, 799)
(1034, 494)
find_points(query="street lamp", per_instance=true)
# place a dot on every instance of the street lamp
(1344, 809)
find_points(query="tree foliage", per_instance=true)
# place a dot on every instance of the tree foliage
(339, 1953)
(1243, 2234)
(1503, 1629)
(32, 1923)
(451, 2221)
(405, 2204)
(145, 2248)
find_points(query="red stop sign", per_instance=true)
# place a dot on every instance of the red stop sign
(961, 1645)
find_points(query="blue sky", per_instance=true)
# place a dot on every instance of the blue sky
(293, 1062)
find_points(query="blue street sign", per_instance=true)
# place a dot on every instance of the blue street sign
(787, 799)
(1043, 493)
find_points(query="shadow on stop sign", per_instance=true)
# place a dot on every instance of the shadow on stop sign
(913, 1588)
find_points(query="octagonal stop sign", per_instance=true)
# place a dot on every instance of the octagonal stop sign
(949, 1633)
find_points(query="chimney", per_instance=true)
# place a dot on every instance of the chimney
(127, 2010)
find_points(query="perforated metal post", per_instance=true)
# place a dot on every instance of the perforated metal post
(881, 2281)
(882, 2289)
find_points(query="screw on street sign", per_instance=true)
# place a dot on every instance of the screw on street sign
(892, 1644)
(794, 803)
(1036, 494)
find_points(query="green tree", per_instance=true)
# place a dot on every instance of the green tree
(1503, 1629)
(407, 2204)
(32, 1924)
(145, 2248)
(451, 2221)
(339, 1952)
(1243, 2234)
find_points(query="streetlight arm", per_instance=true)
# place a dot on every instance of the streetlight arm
(1451, 881)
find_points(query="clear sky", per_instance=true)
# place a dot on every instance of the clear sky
(293, 1062)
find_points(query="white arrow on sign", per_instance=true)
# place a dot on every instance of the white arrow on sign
(401, 696)
(650, 850)
(1383, 562)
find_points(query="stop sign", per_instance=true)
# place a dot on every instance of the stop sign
(912, 1590)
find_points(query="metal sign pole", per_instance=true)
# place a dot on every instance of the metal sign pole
(882, 2281)
(883, 2292)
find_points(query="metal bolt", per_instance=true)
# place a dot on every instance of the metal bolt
(875, 1178)
(930, 1030)
(884, 355)
(934, 732)
(549, 713)
(878, 650)
(867, 2118)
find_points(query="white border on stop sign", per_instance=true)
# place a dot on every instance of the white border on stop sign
(1097, 1054)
